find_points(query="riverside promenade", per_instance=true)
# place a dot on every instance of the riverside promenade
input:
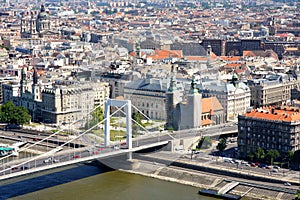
(203, 175)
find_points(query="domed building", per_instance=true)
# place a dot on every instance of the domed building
(36, 24)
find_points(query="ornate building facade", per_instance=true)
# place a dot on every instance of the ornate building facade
(35, 24)
(55, 103)
(276, 128)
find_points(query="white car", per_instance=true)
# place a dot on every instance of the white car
(47, 160)
(287, 184)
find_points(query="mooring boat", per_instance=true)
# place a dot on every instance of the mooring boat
(4, 151)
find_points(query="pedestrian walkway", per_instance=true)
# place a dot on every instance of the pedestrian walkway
(227, 187)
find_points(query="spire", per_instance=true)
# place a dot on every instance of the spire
(138, 49)
(35, 77)
(23, 76)
(193, 89)
(173, 86)
(234, 80)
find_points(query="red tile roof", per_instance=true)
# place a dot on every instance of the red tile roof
(283, 113)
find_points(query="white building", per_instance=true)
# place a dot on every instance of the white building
(234, 96)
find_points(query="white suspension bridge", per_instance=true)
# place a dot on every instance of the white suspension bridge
(66, 153)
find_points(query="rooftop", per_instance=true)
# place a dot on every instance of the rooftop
(282, 113)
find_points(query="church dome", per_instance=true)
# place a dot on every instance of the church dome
(42, 14)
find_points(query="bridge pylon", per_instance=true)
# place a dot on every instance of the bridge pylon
(118, 103)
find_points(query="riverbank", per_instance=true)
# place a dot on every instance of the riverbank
(205, 180)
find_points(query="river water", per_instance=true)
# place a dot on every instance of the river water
(93, 183)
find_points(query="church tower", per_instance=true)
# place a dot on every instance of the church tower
(35, 86)
(191, 110)
(23, 82)
(42, 21)
(173, 97)
(194, 99)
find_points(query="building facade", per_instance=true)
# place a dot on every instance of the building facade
(57, 103)
(35, 24)
(276, 128)
(234, 96)
(273, 90)
(149, 96)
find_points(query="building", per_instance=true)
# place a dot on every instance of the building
(65, 104)
(35, 24)
(55, 103)
(275, 128)
(188, 114)
(149, 96)
(234, 96)
(273, 90)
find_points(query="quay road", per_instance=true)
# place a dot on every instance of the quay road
(72, 153)
(33, 137)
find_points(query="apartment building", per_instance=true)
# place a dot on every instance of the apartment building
(272, 90)
(275, 128)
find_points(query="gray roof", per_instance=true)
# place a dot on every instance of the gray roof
(158, 85)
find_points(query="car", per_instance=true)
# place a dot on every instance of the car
(48, 160)
(229, 160)
(14, 167)
(253, 165)
(269, 167)
(276, 167)
(287, 184)
(274, 170)
(123, 143)
(24, 168)
(116, 147)
(55, 160)
(76, 156)
(261, 165)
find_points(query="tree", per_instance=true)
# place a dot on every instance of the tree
(12, 114)
(272, 155)
(290, 157)
(259, 154)
(298, 195)
(222, 145)
(97, 116)
(137, 117)
(204, 143)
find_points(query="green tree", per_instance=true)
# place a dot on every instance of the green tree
(97, 116)
(222, 145)
(272, 155)
(259, 154)
(298, 195)
(137, 117)
(12, 114)
(290, 157)
(204, 143)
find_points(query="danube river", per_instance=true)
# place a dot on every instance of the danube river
(94, 183)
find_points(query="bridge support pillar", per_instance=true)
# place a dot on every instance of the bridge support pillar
(107, 123)
(128, 125)
(118, 103)
(129, 156)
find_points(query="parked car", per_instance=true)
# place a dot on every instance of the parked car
(47, 160)
(287, 184)
(229, 160)
(14, 167)
(76, 156)
(24, 168)
(274, 170)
